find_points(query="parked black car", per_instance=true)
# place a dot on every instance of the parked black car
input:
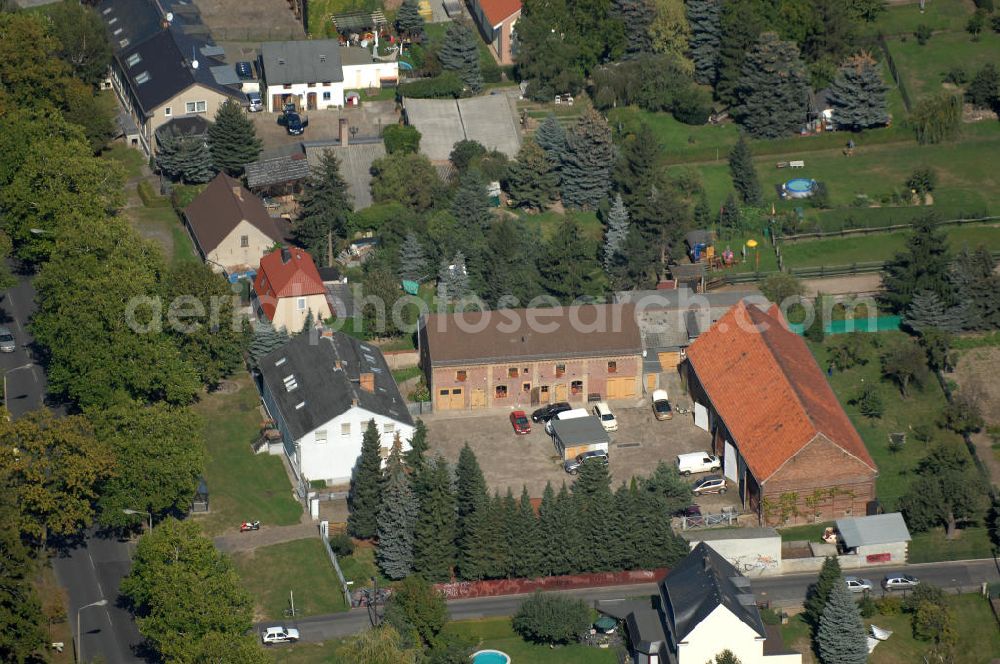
(293, 123)
(546, 413)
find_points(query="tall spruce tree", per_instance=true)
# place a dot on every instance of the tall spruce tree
(412, 259)
(548, 525)
(569, 262)
(397, 518)
(510, 267)
(529, 541)
(977, 288)
(366, 486)
(637, 172)
(744, 174)
(551, 137)
(233, 139)
(415, 457)
(819, 592)
(704, 17)
(453, 279)
(772, 93)
(926, 311)
(730, 215)
(596, 509)
(532, 179)
(265, 339)
(324, 208)
(841, 638)
(574, 555)
(628, 528)
(471, 204)
(858, 92)
(470, 489)
(185, 158)
(637, 17)
(614, 236)
(922, 266)
(741, 23)
(408, 19)
(434, 533)
(460, 53)
(586, 162)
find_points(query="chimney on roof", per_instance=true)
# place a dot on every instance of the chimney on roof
(368, 381)
(286, 255)
(344, 133)
(327, 334)
(354, 402)
(238, 192)
(337, 364)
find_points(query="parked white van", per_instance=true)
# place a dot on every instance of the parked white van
(697, 462)
(566, 415)
(602, 411)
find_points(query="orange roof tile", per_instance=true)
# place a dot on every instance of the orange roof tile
(767, 388)
(498, 10)
(287, 272)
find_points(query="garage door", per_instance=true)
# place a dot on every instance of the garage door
(450, 399)
(669, 360)
(561, 392)
(478, 398)
(621, 388)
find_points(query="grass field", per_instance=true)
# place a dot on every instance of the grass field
(547, 223)
(301, 567)
(131, 159)
(496, 633)
(922, 405)
(923, 67)
(978, 638)
(241, 485)
(360, 567)
(880, 247)
(939, 15)
(970, 544)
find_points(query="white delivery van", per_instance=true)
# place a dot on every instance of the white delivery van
(697, 462)
(602, 411)
(566, 415)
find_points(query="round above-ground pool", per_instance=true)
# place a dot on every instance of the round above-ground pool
(799, 188)
(490, 657)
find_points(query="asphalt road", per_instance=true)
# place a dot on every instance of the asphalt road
(780, 590)
(23, 379)
(90, 573)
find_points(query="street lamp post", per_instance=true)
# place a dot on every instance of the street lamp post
(149, 514)
(79, 636)
(23, 366)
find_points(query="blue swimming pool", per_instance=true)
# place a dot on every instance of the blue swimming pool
(799, 188)
(490, 657)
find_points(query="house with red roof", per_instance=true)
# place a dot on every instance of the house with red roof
(496, 19)
(787, 445)
(287, 288)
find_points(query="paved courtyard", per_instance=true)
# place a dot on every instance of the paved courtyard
(511, 461)
(370, 118)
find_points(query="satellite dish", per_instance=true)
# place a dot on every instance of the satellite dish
(170, 17)
(194, 64)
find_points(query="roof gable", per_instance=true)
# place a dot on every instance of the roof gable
(699, 585)
(288, 272)
(219, 209)
(496, 11)
(765, 384)
(315, 379)
(589, 330)
(312, 61)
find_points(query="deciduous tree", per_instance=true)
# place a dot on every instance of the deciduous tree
(401, 139)
(22, 636)
(781, 287)
(552, 619)
(416, 606)
(937, 118)
(366, 486)
(233, 139)
(984, 89)
(379, 645)
(904, 362)
(410, 180)
(83, 40)
(669, 31)
(949, 491)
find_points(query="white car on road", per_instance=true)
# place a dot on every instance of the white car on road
(274, 635)
(858, 585)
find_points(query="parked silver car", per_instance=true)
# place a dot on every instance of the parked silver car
(900, 582)
(858, 585)
(7, 343)
(710, 484)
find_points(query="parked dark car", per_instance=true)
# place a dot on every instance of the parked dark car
(293, 123)
(546, 413)
(573, 465)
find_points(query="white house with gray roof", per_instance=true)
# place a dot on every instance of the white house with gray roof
(322, 390)
(314, 74)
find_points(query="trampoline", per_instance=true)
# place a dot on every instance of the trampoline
(799, 188)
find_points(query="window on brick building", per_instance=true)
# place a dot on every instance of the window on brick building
(560, 370)
(612, 367)
(512, 372)
(461, 375)
(501, 392)
(576, 387)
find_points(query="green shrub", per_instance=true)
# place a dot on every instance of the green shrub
(402, 139)
(342, 544)
(867, 606)
(549, 618)
(923, 33)
(149, 197)
(439, 87)
(889, 606)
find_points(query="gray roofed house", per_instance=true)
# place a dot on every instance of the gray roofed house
(322, 389)
(704, 606)
(289, 62)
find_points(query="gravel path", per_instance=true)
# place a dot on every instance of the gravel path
(266, 536)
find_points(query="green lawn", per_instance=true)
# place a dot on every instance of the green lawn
(971, 544)
(320, 12)
(301, 567)
(547, 223)
(923, 67)
(947, 15)
(241, 485)
(360, 567)
(879, 247)
(131, 159)
(920, 407)
(496, 633)
(401, 375)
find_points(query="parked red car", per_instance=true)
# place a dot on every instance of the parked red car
(519, 420)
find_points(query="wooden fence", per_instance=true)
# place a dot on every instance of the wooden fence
(874, 230)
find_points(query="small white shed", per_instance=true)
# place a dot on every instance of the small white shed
(877, 539)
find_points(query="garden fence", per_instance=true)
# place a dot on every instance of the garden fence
(336, 568)
(874, 230)
(884, 45)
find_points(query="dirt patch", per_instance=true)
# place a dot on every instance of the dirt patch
(250, 20)
(228, 387)
(976, 376)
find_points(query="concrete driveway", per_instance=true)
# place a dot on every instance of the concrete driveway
(509, 460)
(370, 118)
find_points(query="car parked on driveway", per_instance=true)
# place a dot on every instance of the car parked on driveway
(546, 413)
(697, 462)
(858, 585)
(254, 103)
(602, 411)
(273, 635)
(661, 405)
(710, 484)
(520, 422)
(7, 343)
(900, 582)
(572, 466)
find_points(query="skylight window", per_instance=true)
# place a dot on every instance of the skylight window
(113, 21)
(300, 406)
(281, 361)
(123, 43)
(142, 78)
(117, 32)
(134, 59)
(290, 383)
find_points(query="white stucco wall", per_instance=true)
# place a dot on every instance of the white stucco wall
(232, 254)
(753, 557)
(722, 630)
(357, 77)
(335, 459)
(302, 90)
